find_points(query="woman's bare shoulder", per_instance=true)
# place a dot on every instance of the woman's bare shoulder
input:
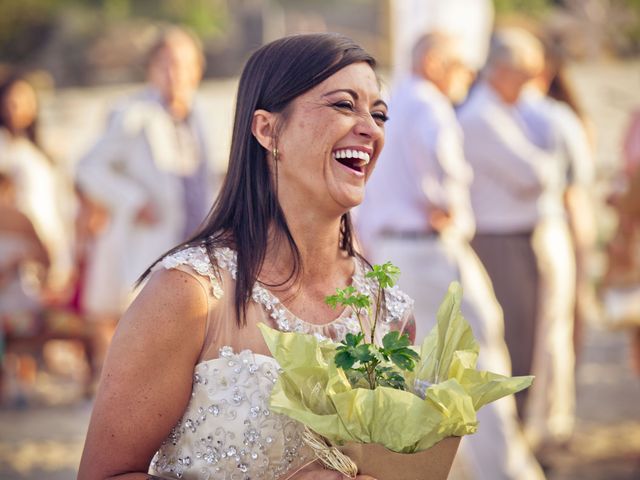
(171, 303)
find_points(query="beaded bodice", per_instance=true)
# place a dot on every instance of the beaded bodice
(228, 431)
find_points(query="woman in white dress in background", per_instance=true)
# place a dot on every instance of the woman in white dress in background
(42, 192)
(185, 387)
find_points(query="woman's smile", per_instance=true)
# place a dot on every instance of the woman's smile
(355, 159)
(332, 151)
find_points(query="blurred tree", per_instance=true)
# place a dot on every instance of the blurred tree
(26, 25)
(530, 7)
(594, 27)
(88, 41)
(633, 29)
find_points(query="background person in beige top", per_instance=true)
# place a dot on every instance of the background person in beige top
(150, 174)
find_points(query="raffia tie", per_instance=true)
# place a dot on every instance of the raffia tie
(330, 456)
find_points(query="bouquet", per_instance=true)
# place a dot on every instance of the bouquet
(392, 411)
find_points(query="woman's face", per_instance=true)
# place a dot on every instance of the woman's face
(19, 106)
(331, 140)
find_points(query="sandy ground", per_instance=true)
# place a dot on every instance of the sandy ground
(45, 440)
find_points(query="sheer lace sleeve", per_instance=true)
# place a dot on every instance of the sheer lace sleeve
(197, 260)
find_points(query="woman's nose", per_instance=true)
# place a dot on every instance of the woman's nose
(368, 127)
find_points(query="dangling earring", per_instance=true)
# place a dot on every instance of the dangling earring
(274, 152)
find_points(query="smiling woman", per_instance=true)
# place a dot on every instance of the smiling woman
(185, 387)
(320, 142)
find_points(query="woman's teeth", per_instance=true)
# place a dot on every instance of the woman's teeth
(355, 154)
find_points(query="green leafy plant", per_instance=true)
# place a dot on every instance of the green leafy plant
(366, 364)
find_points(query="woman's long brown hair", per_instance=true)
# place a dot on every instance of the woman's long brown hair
(247, 206)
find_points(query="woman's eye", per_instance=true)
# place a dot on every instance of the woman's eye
(380, 117)
(344, 104)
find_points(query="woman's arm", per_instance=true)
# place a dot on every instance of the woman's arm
(147, 377)
(102, 173)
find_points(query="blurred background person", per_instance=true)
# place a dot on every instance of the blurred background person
(33, 301)
(41, 193)
(515, 144)
(623, 266)
(621, 282)
(631, 145)
(564, 242)
(574, 134)
(469, 21)
(507, 186)
(150, 174)
(421, 188)
(23, 261)
(622, 277)
(417, 215)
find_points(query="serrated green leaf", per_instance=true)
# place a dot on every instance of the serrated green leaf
(360, 301)
(363, 353)
(332, 301)
(348, 297)
(409, 352)
(344, 359)
(386, 275)
(403, 360)
(395, 340)
(389, 377)
(378, 355)
(352, 340)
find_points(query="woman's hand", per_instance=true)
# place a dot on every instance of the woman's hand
(328, 475)
(316, 472)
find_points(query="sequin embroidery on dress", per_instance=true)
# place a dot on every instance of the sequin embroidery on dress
(227, 431)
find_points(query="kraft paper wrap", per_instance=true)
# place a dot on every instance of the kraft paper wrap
(383, 464)
(312, 390)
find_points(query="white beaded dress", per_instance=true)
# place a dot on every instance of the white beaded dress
(227, 431)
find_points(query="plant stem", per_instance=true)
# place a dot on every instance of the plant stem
(371, 370)
(360, 323)
(377, 312)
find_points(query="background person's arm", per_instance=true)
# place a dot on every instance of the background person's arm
(101, 173)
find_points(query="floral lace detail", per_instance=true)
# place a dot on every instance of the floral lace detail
(228, 431)
(398, 304)
(196, 258)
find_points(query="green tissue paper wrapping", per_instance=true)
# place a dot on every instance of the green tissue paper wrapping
(314, 391)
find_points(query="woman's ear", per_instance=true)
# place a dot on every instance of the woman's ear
(263, 127)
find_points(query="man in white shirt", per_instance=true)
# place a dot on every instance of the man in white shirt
(416, 211)
(512, 166)
(417, 215)
(469, 21)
